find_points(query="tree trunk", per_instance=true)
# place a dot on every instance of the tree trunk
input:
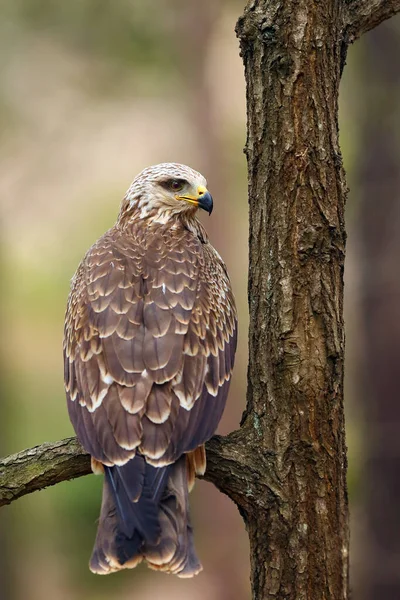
(294, 416)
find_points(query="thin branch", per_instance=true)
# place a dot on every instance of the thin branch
(51, 463)
(363, 15)
(39, 467)
(232, 466)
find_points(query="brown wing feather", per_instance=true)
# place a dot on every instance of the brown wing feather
(150, 338)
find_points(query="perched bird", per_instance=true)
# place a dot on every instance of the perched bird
(149, 346)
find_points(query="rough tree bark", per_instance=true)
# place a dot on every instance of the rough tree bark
(293, 54)
(286, 466)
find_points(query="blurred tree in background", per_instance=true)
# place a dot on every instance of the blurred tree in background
(90, 93)
(379, 181)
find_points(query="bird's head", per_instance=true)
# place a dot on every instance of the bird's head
(165, 190)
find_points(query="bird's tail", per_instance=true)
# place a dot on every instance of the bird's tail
(145, 515)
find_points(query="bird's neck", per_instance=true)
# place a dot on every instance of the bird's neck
(190, 222)
(170, 219)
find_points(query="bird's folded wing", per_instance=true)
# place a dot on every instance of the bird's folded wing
(150, 338)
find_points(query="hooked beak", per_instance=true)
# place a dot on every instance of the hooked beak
(206, 202)
(202, 200)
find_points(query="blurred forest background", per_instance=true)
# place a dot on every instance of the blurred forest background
(91, 92)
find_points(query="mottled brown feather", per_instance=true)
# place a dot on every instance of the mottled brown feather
(167, 315)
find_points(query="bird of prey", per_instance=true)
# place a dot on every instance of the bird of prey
(150, 339)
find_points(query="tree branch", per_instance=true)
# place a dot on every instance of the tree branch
(232, 466)
(363, 15)
(51, 463)
(41, 466)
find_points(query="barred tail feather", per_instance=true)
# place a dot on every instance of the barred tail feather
(145, 515)
(109, 541)
(175, 552)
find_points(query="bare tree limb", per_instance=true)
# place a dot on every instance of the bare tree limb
(231, 467)
(364, 15)
(53, 462)
(41, 466)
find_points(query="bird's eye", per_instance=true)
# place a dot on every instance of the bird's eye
(176, 185)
